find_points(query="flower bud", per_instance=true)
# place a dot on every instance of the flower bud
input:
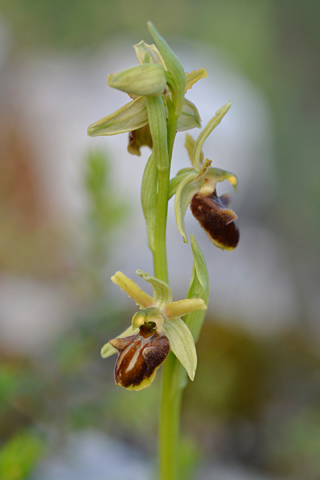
(145, 79)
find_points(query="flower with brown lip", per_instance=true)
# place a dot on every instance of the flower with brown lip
(155, 330)
(197, 187)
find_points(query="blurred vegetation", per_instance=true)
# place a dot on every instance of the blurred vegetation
(254, 401)
(18, 456)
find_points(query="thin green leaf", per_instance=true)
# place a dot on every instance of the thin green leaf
(149, 198)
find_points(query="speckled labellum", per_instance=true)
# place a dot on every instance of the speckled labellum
(217, 220)
(139, 357)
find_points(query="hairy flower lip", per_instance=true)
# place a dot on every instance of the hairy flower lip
(139, 357)
(216, 219)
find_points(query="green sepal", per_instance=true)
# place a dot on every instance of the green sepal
(196, 160)
(130, 117)
(175, 181)
(176, 77)
(182, 344)
(162, 293)
(189, 117)
(147, 79)
(148, 53)
(185, 191)
(107, 350)
(149, 198)
(198, 288)
(190, 184)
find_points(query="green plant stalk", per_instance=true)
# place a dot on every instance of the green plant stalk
(169, 421)
(171, 391)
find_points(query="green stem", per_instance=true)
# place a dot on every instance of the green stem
(163, 136)
(171, 391)
(169, 422)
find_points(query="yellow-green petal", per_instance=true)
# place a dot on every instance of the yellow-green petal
(182, 307)
(162, 293)
(127, 285)
(194, 76)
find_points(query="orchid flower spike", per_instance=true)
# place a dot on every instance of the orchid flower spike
(156, 74)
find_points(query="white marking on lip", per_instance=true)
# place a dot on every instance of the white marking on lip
(133, 360)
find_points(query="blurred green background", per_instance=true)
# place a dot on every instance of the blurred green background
(255, 402)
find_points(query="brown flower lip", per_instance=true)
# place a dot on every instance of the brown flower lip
(139, 356)
(217, 220)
